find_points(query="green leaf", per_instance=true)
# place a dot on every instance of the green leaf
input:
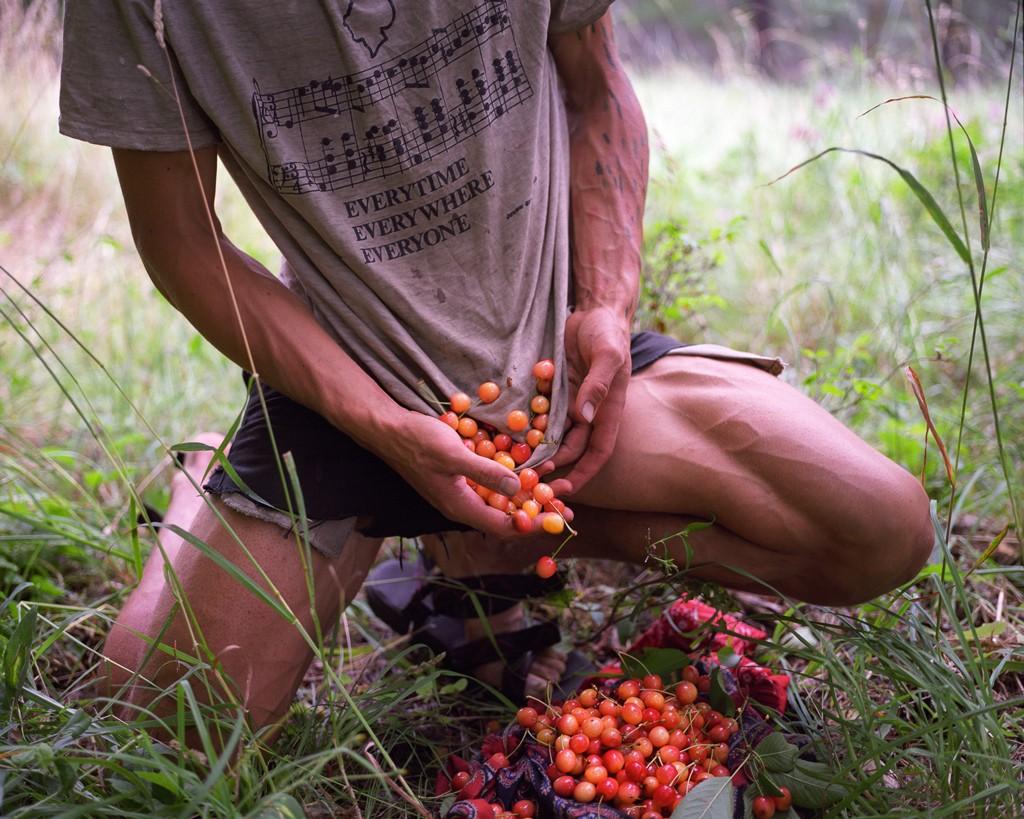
(719, 699)
(812, 784)
(711, 799)
(776, 754)
(16, 656)
(454, 687)
(664, 662)
(279, 806)
(919, 190)
(987, 631)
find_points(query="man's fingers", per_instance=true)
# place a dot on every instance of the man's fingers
(573, 445)
(604, 369)
(490, 473)
(469, 508)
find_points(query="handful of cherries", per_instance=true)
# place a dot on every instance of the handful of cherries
(512, 449)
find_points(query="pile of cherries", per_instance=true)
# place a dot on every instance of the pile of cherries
(640, 747)
(512, 449)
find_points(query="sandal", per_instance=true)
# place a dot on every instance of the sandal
(413, 598)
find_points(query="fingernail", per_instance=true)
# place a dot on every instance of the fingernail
(509, 486)
(588, 411)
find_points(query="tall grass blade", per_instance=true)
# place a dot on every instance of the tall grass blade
(922, 402)
(919, 190)
(979, 178)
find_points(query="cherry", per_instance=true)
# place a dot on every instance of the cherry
(690, 675)
(720, 770)
(686, 692)
(488, 392)
(763, 807)
(467, 427)
(539, 404)
(504, 459)
(584, 792)
(546, 567)
(520, 453)
(565, 761)
(544, 370)
(525, 808)
(607, 788)
(502, 442)
(627, 689)
(717, 733)
(528, 478)
(658, 736)
(635, 770)
(544, 386)
(517, 420)
(628, 793)
(784, 802)
(588, 697)
(545, 736)
(522, 521)
(531, 507)
(459, 402)
(539, 422)
(578, 743)
(498, 761)
(567, 724)
(611, 737)
(595, 774)
(498, 501)
(652, 681)
(669, 753)
(527, 717)
(486, 449)
(564, 786)
(666, 774)
(543, 494)
(460, 780)
(534, 438)
(552, 523)
(451, 419)
(613, 760)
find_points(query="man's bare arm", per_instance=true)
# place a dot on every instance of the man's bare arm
(190, 262)
(608, 159)
(608, 186)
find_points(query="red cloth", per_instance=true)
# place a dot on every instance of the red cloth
(702, 631)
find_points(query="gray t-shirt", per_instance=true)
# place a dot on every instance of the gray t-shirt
(409, 159)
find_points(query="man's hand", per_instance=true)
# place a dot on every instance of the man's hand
(431, 457)
(597, 352)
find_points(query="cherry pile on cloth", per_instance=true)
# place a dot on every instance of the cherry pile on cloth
(699, 630)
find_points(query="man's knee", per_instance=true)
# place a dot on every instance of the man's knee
(885, 548)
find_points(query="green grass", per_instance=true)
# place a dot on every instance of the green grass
(914, 699)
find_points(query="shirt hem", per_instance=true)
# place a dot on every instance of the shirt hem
(135, 140)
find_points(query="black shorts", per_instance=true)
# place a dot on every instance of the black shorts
(340, 479)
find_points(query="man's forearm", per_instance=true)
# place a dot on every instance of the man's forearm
(608, 182)
(281, 338)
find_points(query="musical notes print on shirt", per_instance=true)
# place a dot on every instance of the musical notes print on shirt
(336, 132)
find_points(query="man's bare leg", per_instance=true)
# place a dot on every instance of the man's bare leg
(260, 652)
(798, 500)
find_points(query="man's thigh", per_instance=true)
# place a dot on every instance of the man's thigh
(725, 440)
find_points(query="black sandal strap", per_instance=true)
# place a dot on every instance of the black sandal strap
(494, 593)
(511, 646)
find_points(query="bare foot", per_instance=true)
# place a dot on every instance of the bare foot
(548, 664)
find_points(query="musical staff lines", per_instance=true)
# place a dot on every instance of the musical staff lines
(393, 116)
